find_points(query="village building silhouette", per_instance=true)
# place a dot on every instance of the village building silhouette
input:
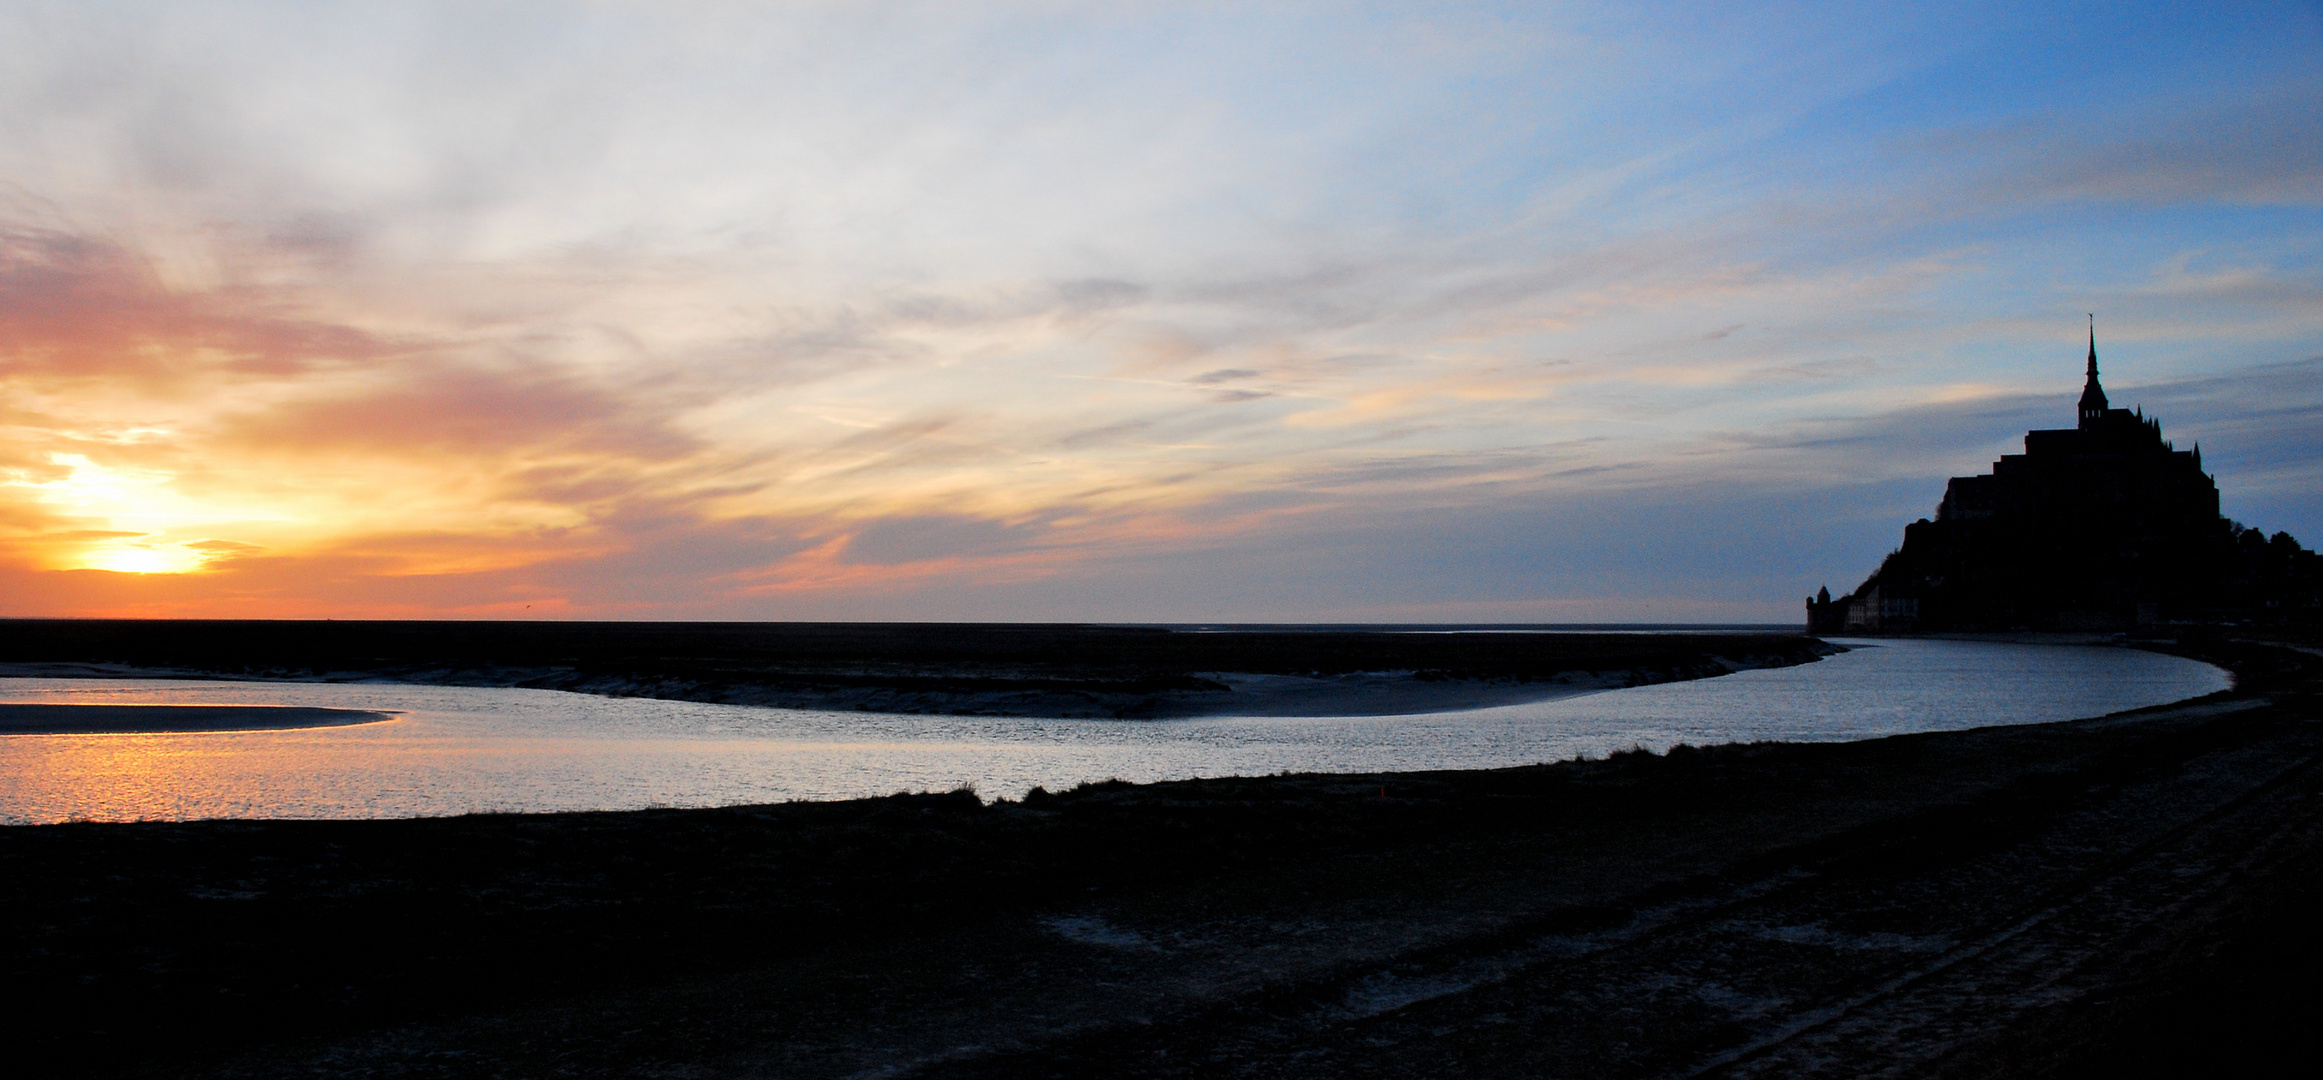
(2104, 526)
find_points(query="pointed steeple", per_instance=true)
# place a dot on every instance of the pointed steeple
(2093, 402)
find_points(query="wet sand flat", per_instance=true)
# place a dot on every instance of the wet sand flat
(987, 669)
(2035, 900)
(55, 719)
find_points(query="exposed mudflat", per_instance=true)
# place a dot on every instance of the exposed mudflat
(49, 719)
(2060, 899)
(991, 669)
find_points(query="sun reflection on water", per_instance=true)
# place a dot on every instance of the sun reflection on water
(461, 750)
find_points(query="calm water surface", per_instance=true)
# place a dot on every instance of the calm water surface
(457, 750)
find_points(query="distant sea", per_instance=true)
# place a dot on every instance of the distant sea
(453, 750)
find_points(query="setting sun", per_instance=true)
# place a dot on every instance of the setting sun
(810, 317)
(1064, 538)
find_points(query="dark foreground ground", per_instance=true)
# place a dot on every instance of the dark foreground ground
(962, 668)
(2129, 895)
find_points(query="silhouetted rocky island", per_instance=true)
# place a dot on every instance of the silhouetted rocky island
(2102, 526)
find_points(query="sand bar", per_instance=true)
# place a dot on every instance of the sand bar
(52, 719)
(992, 669)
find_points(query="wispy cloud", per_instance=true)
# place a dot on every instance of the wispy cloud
(1099, 311)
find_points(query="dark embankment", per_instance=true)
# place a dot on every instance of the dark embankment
(1002, 669)
(40, 719)
(2056, 900)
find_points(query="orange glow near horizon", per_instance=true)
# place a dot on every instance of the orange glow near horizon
(124, 518)
(797, 311)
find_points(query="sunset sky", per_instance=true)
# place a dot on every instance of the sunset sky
(1170, 312)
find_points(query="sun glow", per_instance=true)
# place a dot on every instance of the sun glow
(126, 517)
(88, 488)
(131, 557)
(807, 315)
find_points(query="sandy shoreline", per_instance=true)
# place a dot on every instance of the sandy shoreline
(1221, 693)
(41, 718)
(2028, 900)
(1053, 672)
(1230, 693)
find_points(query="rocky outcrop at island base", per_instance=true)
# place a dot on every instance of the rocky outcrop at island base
(2103, 526)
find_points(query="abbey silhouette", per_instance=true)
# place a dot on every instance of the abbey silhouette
(2101, 526)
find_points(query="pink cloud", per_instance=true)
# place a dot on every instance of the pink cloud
(438, 408)
(78, 307)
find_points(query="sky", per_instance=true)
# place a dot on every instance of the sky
(1449, 312)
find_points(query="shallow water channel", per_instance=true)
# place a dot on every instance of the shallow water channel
(453, 750)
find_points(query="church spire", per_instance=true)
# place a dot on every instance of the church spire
(2093, 401)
